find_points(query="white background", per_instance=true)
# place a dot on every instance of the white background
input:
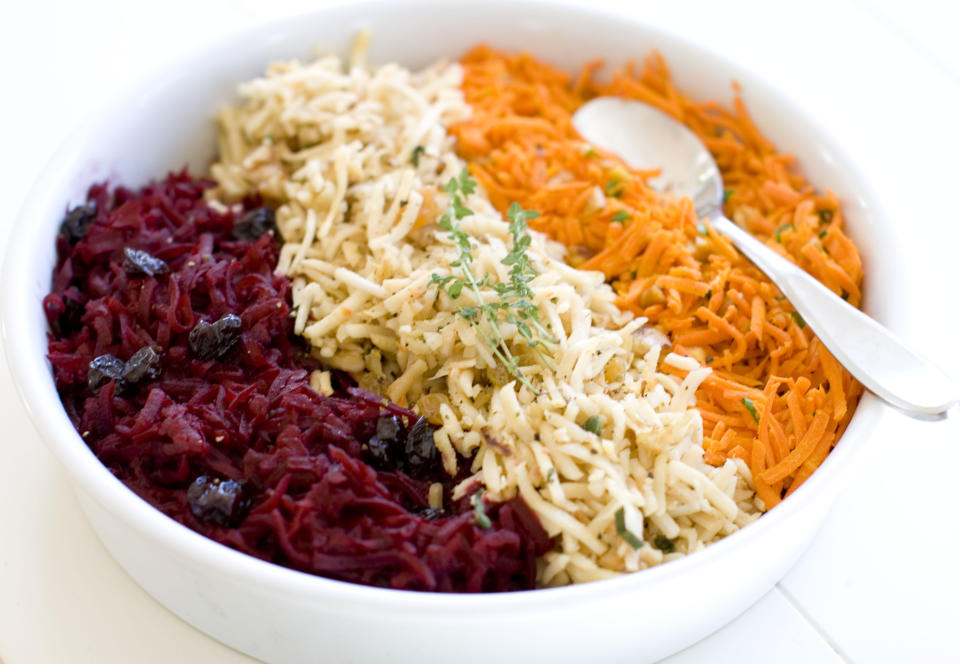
(881, 581)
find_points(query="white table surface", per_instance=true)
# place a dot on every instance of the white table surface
(880, 582)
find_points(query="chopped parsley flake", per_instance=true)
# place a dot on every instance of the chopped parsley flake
(480, 517)
(798, 319)
(627, 536)
(776, 235)
(620, 216)
(593, 425)
(727, 193)
(415, 157)
(748, 404)
(665, 544)
(613, 188)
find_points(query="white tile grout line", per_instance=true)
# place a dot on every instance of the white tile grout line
(808, 617)
(933, 59)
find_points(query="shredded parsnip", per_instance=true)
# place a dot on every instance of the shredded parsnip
(355, 161)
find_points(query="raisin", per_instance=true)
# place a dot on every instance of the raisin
(70, 319)
(220, 502)
(382, 448)
(210, 340)
(102, 370)
(388, 428)
(75, 222)
(255, 223)
(144, 364)
(665, 544)
(413, 452)
(139, 263)
(421, 454)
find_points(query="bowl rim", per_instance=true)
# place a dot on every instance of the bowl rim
(34, 384)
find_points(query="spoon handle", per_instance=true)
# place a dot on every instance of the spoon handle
(872, 354)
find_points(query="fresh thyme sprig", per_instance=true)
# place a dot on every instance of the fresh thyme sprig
(515, 297)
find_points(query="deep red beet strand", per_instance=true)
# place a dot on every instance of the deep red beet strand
(220, 429)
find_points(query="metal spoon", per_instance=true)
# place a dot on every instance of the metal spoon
(647, 138)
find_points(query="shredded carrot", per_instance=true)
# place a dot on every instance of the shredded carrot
(670, 267)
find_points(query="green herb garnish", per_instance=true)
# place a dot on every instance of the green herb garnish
(709, 294)
(727, 193)
(776, 235)
(701, 227)
(415, 157)
(613, 188)
(628, 537)
(620, 216)
(826, 216)
(822, 234)
(748, 404)
(799, 319)
(480, 517)
(591, 153)
(665, 544)
(514, 303)
(551, 473)
(593, 425)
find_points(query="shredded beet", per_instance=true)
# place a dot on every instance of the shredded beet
(173, 353)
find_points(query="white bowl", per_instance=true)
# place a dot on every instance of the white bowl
(281, 615)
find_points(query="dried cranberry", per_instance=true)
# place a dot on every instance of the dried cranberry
(254, 224)
(139, 263)
(75, 223)
(210, 340)
(224, 503)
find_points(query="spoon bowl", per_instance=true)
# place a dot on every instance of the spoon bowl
(648, 139)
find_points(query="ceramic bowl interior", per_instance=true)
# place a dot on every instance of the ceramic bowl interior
(282, 615)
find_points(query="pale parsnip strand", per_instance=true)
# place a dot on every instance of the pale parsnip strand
(334, 150)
